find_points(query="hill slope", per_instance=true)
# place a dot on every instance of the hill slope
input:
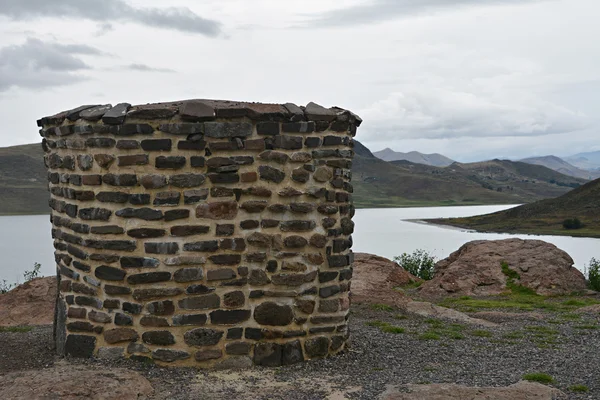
(434, 159)
(560, 165)
(23, 180)
(544, 216)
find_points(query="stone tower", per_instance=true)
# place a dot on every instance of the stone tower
(202, 232)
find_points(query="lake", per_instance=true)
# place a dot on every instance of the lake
(25, 240)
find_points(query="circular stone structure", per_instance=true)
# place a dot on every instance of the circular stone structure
(201, 232)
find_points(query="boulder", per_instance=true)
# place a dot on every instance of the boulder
(444, 391)
(374, 279)
(476, 269)
(71, 382)
(31, 303)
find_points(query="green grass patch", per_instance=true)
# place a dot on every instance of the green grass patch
(16, 329)
(591, 327)
(510, 273)
(400, 316)
(382, 307)
(514, 335)
(539, 377)
(481, 333)
(579, 388)
(392, 329)
(412, 285)
(543, 330)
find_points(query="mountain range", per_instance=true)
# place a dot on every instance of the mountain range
(377, 183)
(434, 159)
(583, 165)
(589, 160)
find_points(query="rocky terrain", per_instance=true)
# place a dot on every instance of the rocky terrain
(402, 347)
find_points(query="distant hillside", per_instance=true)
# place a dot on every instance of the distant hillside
(376, 183)
(544, 216)
(401, 183)
(590, 160)
(23, 180)
(434, 159)
(560, 165)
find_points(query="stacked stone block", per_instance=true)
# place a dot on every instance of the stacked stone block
(209, 233)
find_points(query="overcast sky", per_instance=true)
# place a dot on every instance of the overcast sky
(472, 79)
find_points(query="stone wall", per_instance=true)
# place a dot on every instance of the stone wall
(209, 233)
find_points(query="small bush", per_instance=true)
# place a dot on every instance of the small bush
(6, 287)
(572, 223)
(420, 263)
(34, 273)
(579, 389)
(429, 336)
(594, 274)
(538, 377)
(392, 329)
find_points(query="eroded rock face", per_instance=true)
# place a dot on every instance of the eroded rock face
(70, 382)
(476, 269)
(31, 303)
(374, 280)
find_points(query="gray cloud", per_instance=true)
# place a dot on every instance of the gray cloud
(38, 64)
(146, 68)
(385, 10)
(175, 18)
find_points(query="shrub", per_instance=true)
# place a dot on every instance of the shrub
(572, 223)
(420, 263)
(5, 287)
(34, 273)
(538, 377)
(579, 388)
(593, 274)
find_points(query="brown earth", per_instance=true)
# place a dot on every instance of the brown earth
(31, 303)
(476, 269)
(374, 279)
(74, 382)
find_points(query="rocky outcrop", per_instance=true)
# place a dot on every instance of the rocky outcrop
(75, 382)
(476, 269)
(443, 391)
(31, 303)
(374, 280)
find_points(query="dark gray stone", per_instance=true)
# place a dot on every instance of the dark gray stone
(161, 248)
(202, 337)
(94, 113)
(132, 308)
(189, 319)
(273, 314)
(196, 111)
(139, 199)
(120, 180)
(170, 162)
(95, 214)
(149, 277)
(229, 317)
(167, 355)
(123, 320)
(292, 352)
(144, 213)
(205, 246)
(156, 144)
(167, 199)
(153, 181)
(116, 115)
(80, 346)
(288, 142)
(160, 338)
(200, 302)
(271, 174)
(316, 347)
(227, 129)
(187, 180)
(109, 273)
(163, 307)
(188, 275)
(267, 354)
(238, 348)
(142, 233)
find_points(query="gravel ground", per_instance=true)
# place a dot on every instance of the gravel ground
(563, 346)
